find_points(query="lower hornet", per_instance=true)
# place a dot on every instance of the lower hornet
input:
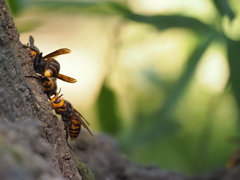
(72, 119)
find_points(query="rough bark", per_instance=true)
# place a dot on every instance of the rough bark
(24, 105)
(32, 140)
(104, 158)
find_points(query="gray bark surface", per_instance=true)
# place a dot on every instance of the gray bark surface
(25, 107)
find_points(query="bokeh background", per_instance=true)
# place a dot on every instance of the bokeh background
(162, 77)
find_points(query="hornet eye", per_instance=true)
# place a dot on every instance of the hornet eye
(57, 101)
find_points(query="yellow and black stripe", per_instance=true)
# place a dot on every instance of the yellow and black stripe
(74, 128)
(50, 86)
(52, 68)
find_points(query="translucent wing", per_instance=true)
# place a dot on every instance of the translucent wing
(66, 78)
(57, 53)
(79, 114)
(83, 121)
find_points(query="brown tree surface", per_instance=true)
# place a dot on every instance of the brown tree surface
(26, 110)
(32, 140)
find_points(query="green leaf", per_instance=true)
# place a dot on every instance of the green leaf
(224, 8)
(234, 65)
(100, 7)
(163, 22)
(107, 111)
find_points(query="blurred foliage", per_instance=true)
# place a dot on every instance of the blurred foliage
(17, 6)
(162, 117)
(224, 8)
(184, 131)
(233, 58)
(107, 111)
(28, 26)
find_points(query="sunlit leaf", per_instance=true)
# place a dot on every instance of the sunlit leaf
(224, 8)
(100, 7)
(172, 21)
(234, 64)
(162, 124)
(107, 111)
(187, 75)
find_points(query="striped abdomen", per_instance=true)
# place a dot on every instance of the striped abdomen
(50, 86)
(74, 128)
(52, 68)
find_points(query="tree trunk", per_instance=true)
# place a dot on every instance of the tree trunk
(25, 111)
